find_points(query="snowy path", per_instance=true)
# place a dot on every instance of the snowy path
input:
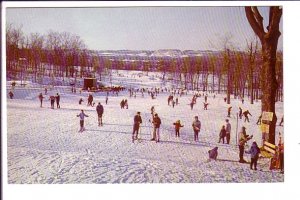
(44, 145)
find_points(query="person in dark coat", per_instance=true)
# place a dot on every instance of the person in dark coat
(57, 100)
(11, 95)
(280, 124)
(228, 131)
(80, 101)
(259, 120)
(41, 99)
(106, 100)
(100, 111)
(177, 128)
(213, 153)
(205, 106)
(229, 111)
(222, 134)
(136, 126)
(156, 126)
(246, 113)
(240, 112)
(122, 104)
(52, 100)
(254, 151)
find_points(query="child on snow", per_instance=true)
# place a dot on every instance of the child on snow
(213, 153)
(177, 127)
(254, 151)
(81, 116)
(222, 134)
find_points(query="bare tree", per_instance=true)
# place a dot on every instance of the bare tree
(269, 40)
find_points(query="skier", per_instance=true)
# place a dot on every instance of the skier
(229, 111)
(81, 116)
(240, 112)
(242, 141)
(205, 98)
(41, 99)
(46, 91)
(205, 105)
(254, 151)
(106, 100)
(80, 101)
(246, 113)
(173, 103)
(192, 105)
(52, 100)
(280, 124)
(100, 111)
(90, 100)
(136, 126)
(196, 127)
(152, 110)
(228, 130)
(11, 95)
(259, 120)
(222, 134)
(225, 99)
(57, 100)
(176, 101)
(156, 125)
(177, 127)
(126, 103)
(122, 104)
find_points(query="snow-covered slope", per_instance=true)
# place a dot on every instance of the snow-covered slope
(44, 145)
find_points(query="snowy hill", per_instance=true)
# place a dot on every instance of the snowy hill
(44, 145)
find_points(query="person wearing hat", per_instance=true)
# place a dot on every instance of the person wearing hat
(242, 141)
(136, 126)
(177, 127)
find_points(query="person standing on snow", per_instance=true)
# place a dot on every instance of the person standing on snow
(52, 100)
(222, 134)
(156, 125)
(242, 141)
(228, 130)
(41, 99)
(57, 100)
(196, 127)
(81, 117)
(240, 112)
(177, 128)
(229, 111)
(254, 151)
(246, 113)
(100, 111)
(136, 126)
(11, 95)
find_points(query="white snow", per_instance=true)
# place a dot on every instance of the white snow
(44, 145)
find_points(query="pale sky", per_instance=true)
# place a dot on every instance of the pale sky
(142, 28)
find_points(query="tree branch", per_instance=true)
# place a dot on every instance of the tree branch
(255, 22)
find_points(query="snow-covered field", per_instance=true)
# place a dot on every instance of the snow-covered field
(44, 145)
